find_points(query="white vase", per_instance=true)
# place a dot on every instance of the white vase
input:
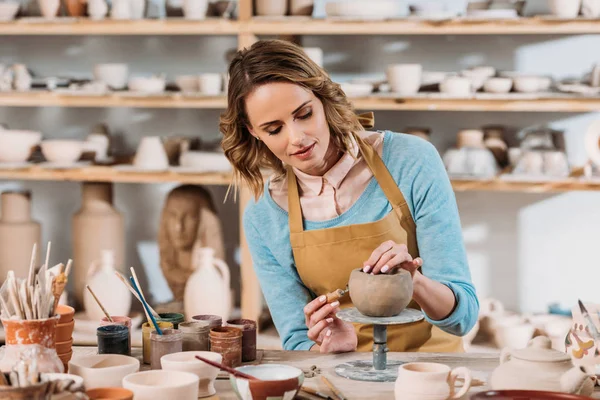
(112, 293)
(207, 291)
(97, 9)
(49, 8)
(565, 8)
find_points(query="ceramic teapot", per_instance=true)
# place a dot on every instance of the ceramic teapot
(539, 367)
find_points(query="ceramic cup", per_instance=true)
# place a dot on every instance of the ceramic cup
(555, 163)
(151, 154)
(49, 8)
(531, 162)
(456, 86)
(404, 79)
(565, 8)
(455, 161)
(195, 9)
(469, 138)
(431, 381)
(162, 384)
(187, 362)
(514, 332)
(210, 84)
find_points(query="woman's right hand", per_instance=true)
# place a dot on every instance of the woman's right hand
(331, 333)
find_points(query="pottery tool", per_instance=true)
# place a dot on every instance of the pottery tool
(590, 324)
(145, 305)
(225, 368)
(132, 290)
(336, 295)
(58, 286)
(313, 392)
(139, 290)
(100, 304)
(13, 294)
(335, 390)
(31, 276)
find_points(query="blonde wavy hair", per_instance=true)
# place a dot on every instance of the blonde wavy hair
(269, 61)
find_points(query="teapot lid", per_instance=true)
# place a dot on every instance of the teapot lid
(540, 349)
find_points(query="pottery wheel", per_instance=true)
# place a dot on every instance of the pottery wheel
(380, 369)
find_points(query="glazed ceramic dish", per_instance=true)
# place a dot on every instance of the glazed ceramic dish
(277, 382)
(162, 384)
(524, 395)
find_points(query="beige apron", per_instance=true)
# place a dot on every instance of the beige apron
(325, 257)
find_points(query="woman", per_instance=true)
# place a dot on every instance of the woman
(341, 198)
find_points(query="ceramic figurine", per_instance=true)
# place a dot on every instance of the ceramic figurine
(97, 226)
(109, 289)
(207, 291)
(539, 367)
(22, 78)
(188, 221)
(18, 233)
(382, 295)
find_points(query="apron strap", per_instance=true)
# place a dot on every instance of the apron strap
(379, 170)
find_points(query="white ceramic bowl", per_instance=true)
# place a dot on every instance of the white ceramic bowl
(113, 75)
(205, 161)
(187, 83)
(162, 384)
(357, 89)
(281, 381)
(62, 151)
(366, 10)
(103, 370)
(8, 10)
(527, 84)
(152, 84)
(498, 85)
(187, 362)
(456, 86)
(16, 145)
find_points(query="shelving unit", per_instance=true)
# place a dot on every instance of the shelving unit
(247, 29)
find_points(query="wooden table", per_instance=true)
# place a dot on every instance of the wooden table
(480, 364)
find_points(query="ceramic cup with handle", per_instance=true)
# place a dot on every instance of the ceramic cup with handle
(431, 381)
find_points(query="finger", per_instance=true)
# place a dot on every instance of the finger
(313, 306)
(386, 259)
(412, 266)
(376, 255)
(401, 260)
(324, 312)
(326, 343)
(314, 332)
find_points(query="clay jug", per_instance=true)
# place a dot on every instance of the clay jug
(207, 289)
(109, 289)
(18, 233)
(96, 226)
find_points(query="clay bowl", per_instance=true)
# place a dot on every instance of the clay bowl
(16, 145)
(65, 313)
(186, 361)
(64, 332)
(62, 151)
(162, 384)
(276, 381)
(64, 347)
(525, 394)
(103, 370)
(110, 393)
(381, 295)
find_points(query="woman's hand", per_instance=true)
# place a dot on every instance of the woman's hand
(331, 333)
(390, 256)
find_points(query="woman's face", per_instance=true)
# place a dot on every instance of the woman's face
(290, 120)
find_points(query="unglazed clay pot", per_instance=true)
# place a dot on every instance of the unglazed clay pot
(75, 8)
(381, 295)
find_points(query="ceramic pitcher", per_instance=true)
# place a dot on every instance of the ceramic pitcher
(109, 289)
(207, 291)
(431, 381)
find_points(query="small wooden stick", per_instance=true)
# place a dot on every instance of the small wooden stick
(13, 294)
(335, 390)
(23, 297)
(48, 254)
(58, 286)
(4, 307)
(98, 301)
(132, 290)
(31, 276)
(68, 268)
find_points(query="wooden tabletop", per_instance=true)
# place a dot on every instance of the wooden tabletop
(480, 364)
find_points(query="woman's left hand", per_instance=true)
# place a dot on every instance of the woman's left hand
(390, 256)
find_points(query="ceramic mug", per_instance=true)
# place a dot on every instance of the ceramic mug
(405, 79)
(531, 162)
(195, 9)
(432, 381)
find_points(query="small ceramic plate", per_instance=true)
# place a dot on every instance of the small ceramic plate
(55, 165)
(15, 165)
(138, 170)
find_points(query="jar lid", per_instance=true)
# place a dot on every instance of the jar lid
(194, 326)
(539, 349)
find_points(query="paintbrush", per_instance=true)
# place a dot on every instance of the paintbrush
(100, 304)
(126, 283)
(225, 368)
(153, 321)
(335, 390)
(590, 324)
(139, 290)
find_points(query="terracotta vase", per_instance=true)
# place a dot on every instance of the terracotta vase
(18, 233)
(207, 290)
(97, 226)
(75, 8)
(382, 295)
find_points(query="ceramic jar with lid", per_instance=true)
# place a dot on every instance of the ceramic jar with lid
(539, 367)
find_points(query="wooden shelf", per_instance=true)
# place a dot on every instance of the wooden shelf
(82, 26)
(108, 174)
(177, 100)
(457, 26)
(298, 26)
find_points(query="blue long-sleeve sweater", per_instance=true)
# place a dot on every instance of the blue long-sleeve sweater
(418, 170)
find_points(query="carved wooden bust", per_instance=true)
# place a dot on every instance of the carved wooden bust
(188, 220)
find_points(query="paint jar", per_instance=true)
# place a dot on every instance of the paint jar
(146, 329)
(113, 339)
(174, 318)
(195, 335)
(248, 328)
(124, 321)
(227, 341)
(214, 321)
(171, 341)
